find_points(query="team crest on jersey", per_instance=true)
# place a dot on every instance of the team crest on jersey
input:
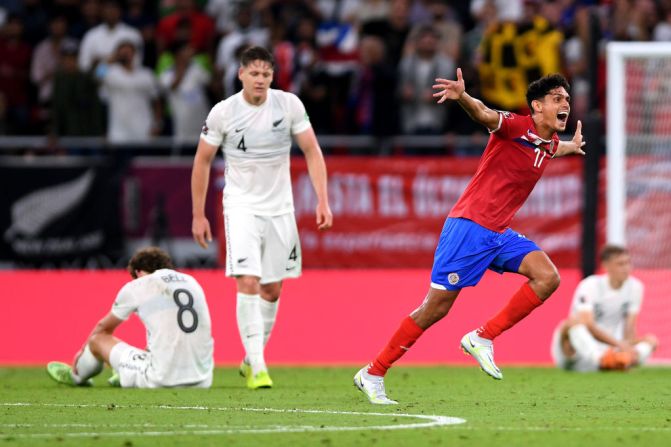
(453, 278)
(204, 130)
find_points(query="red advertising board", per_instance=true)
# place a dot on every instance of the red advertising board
(388, 212)
(325, 317)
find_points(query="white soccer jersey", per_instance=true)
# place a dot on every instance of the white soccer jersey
(609, 306)
(173, 309)
(256, 143)
(129, 95)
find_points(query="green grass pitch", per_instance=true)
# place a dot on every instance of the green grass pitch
(320, 407)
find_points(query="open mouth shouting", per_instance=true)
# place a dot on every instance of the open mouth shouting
(562, 117)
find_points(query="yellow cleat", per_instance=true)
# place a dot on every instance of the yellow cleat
(62, 373)
(260, 380)
(245, 369)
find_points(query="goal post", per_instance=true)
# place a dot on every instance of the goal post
(638, 173)
(638, 142)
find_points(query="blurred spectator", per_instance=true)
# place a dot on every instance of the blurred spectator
(14, 76)
(338, 11)
(314, 88)
(46, 57)
(222, 12)
(372, 100)
(369, 10)
(505, 71)
(76, 109)
(444, 20)
(138, 17)
(87, 19)
(33, 14)
(393, 31)
(202, 27)
(576, 62)
(245, 34)
(101, 41)
(662, 31)
(420, 113)
(132, 94)
(506, 10)
(634, 22)
(185, 83)
(485, 22)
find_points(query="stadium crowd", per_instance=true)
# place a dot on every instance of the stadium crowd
(134, 69)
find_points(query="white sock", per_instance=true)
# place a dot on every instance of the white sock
(584, 343)
(87, 366)
(644, 350)
(268, 313)
(250, 325)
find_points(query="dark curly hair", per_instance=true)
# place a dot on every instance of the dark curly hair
(149, 259)
(252, 54)
(541, 87)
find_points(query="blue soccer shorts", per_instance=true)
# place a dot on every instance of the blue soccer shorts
(466, 250)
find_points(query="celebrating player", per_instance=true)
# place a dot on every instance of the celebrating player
(600, 332)
(476, 235)
(172, 307)
(255, 127)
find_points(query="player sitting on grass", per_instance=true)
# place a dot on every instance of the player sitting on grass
(600, 333)
(172, 307)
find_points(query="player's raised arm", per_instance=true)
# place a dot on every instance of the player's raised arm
(456, 91)
(200, 178)
(572, 147)
(307, 141)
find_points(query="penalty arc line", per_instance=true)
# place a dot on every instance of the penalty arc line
(430, 421)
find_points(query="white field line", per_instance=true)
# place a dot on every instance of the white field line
(429, 421)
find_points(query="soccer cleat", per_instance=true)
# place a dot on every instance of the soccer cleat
(260, 380)
(481, 350)
(62, 373)
(245, 369)
(373, 387)
(114, 380)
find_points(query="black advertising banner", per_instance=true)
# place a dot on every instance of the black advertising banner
(60, 216)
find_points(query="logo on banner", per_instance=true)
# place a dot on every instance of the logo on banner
(453, 278)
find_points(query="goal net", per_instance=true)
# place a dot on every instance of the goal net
(638, 195)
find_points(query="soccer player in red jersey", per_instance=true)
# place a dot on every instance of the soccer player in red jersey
(476, 235)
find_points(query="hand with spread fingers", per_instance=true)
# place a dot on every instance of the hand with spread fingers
(449, 89)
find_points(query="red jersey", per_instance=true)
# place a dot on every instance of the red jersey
(514, 160)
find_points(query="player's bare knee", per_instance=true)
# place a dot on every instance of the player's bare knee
(549, 280)
(96, 344)
(248, 284)
(271, 292)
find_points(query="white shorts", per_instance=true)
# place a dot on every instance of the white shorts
(132, 364)
(264, 246)
(578, 362)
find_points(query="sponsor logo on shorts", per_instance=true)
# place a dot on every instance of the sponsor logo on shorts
(453, 278)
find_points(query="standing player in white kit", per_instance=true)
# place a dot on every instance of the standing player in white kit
(173, 309)
(255, 127)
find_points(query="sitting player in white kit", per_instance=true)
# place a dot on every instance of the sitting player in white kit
(172, 307)
(600, 332)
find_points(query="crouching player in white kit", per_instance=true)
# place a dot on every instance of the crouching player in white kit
(255, 127)
(173, 309)
(600, 333)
